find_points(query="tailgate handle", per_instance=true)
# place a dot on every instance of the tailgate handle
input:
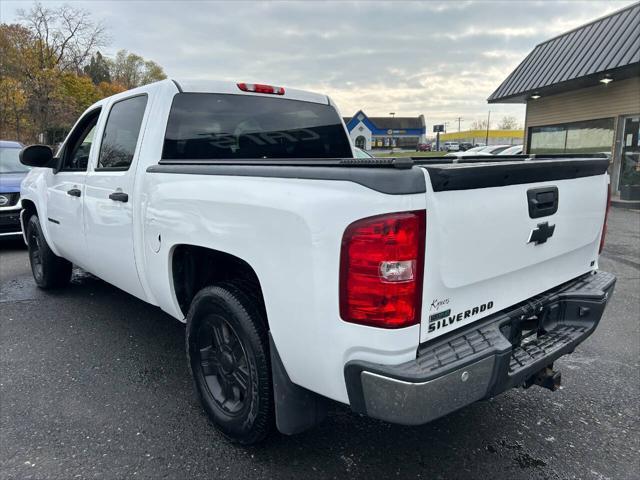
(542, 201)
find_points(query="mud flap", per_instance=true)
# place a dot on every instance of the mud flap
(297, 409)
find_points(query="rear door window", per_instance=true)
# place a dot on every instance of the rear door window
(121, 133)
(222, 126)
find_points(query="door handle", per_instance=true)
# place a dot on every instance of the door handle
(74, 192)
(542, 201)
(119, 197)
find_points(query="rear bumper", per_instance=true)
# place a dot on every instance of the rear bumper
(483, 359)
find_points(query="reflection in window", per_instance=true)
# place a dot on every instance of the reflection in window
(223, 126)
(121, 133)
(591, 136)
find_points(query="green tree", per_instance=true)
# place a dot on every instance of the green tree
(51, 70)
(47, 43)
(131, 70)
(98, 69)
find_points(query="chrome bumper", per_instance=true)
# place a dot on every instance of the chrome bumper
(483, 359)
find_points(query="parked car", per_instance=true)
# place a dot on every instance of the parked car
(423, 147)
(494, 149)
(11, 174)
(514, 150)
(451, 146)
(464, 146)
(474, 151)
(360, 153)
(303, 277)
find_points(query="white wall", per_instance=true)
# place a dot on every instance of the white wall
(361, 130)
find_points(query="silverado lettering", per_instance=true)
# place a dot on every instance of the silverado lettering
(436, 323)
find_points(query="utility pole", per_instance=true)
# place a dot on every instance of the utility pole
(486, 140)
(459, 120)
(393, 116)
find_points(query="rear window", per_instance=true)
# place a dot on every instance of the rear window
(222, 126)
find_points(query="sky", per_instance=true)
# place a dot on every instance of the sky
(441, 59)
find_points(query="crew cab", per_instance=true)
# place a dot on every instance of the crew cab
(405, 288)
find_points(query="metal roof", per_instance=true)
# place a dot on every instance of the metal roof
(578, 58)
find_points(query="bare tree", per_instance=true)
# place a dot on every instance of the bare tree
(508, 123)
(60, 40)
(65, 37)
(479, 125)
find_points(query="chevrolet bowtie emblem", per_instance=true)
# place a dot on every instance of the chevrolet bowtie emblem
(542, 233)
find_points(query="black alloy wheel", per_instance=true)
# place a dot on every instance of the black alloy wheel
(224, 363)
(228, 352)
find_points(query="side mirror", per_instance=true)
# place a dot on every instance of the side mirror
(37, 156)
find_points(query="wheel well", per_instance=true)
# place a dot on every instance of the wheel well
(194, 268)
(29, 209)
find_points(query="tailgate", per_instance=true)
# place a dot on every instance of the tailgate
(500, 233)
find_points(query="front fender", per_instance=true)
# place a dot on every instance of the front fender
(34, 189)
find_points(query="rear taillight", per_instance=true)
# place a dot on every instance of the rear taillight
(381, 270)
(606, 216)
(260, 88)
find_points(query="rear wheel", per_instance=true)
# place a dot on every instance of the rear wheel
(228, 354)
(49, 270)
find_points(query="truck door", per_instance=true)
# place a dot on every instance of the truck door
(65, 191)
(109, 207)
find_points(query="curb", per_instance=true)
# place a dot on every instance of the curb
(632, 204)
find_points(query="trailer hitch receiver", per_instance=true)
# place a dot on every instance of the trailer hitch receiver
(547, 378)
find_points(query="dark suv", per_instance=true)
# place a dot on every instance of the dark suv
(11, 174)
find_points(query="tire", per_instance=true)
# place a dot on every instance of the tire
(228, 355)
(49, 270)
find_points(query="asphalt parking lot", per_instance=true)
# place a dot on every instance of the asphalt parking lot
(94, 384)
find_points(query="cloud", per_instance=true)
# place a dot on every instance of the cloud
(441, 59)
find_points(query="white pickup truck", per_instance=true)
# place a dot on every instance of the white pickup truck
(405, 288)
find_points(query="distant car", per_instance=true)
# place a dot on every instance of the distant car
(360, 153)
(494, 149)
(475, 151)
(11, 174)
(464, 146)
(515, 150)
(423, 147)
(451, 146)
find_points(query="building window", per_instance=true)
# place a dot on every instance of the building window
(591, 136)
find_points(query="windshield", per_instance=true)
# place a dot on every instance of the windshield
(475, 149)
(10, 161)
(496, 149)
(512, 150)
(221, 126)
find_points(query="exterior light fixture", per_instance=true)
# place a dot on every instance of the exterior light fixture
(535, 96)
(606, 80)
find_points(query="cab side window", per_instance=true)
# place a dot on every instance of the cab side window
(75, 155)
(121, 133)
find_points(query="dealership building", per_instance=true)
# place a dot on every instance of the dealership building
(582, 93)
(369, 133)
